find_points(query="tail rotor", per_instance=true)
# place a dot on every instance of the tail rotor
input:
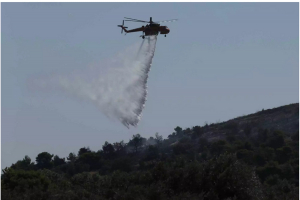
(122, 26)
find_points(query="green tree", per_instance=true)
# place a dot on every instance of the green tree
(230, 138)
(84, 150)
(197, 132)
(159, 172)
(283, 154)
(120, 148)
(158, 139)
(228, 178)
(271, 168)
(245, 155)
(136, 142)
(172, 136)
(187, 132)
(92, 159)
(44, 160)
(182, 148)
(287, 171)
(151, 141)
(72, 157)
(179, 132)
(57, 161)
(276, 140)
(24, 164)
(21, 181)
(248, 129)
(219, 147)
(263, 135)
(248, 145)
(203, 144)
(259, 159)
(108, 150)
(232, 127)
(123, 164)
(152, 152)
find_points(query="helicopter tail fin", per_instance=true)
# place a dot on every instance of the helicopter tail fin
(123, 27)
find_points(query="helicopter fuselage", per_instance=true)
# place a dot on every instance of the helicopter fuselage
(152, 29)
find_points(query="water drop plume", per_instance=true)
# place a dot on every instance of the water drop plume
(117, 86)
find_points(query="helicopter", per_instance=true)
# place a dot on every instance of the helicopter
(153, 28)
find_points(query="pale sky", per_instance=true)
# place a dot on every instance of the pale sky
(219, 61)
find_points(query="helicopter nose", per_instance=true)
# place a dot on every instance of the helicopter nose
(168, 30)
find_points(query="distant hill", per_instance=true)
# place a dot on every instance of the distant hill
(284, 118)
(252, 157)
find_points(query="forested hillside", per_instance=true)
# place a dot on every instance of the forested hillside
(249, 157)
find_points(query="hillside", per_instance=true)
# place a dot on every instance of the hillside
(284, 118)
(250, 157)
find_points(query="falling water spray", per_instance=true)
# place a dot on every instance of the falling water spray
(117, 86)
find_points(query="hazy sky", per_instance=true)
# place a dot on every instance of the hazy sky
(219, 61)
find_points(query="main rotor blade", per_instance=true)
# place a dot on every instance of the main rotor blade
(170, 20)
(137, 21)
(130, 18)
(134, 19)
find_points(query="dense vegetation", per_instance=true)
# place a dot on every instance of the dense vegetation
(238, 159)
